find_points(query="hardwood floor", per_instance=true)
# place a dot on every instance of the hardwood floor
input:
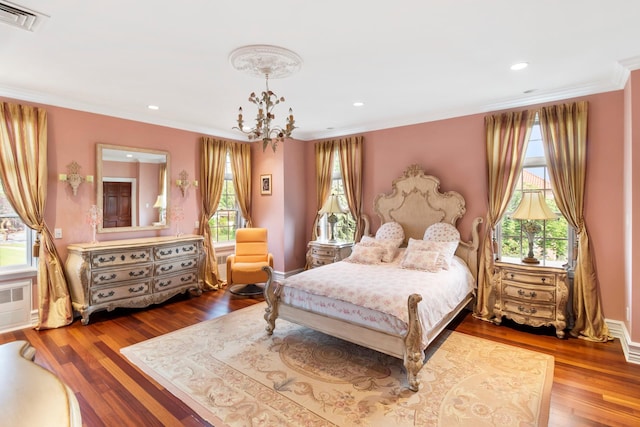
(593, 385)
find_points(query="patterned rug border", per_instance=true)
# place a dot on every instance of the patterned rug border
(207, 414)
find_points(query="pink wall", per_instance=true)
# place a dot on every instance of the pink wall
(454, 150)
(632, 169)
(451, 149)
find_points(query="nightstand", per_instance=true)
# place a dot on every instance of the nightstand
(531, 295)
(320, 253)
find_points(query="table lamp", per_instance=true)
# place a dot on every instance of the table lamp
(331, 207)
(532, 207)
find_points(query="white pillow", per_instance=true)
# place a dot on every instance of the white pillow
(390, 230)
(421, 260)
(390, 246)
(446, 250)
(442, 232)
(362, 254)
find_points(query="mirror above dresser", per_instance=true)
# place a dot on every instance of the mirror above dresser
(132, 188)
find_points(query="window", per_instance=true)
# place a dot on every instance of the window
(16, 239)
(228, 217)
(553, 245)
(345, 228)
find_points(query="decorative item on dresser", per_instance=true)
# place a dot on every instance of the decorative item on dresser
(531, 295)
(132, 273)
(321, 252)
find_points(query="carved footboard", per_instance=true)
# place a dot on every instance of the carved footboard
(408, 347)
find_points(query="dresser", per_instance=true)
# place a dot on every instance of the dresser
(531, 295)
(320, 253)
(132, 273)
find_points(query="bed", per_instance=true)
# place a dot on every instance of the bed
(386, 306)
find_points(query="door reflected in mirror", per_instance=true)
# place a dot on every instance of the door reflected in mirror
(132, 186)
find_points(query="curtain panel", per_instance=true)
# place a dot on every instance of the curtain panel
(564, 134)
(24, 171)
(506, 140)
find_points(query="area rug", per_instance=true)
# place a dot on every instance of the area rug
(232, 373)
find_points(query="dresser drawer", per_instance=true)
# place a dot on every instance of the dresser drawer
(178, 280)
(529, 294)
(176, 266)
(106, 277)
(106, 294)
(175, 251)
(543, 311)
(109, 259)
(535, 279)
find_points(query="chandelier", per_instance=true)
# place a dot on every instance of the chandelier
(266, 61)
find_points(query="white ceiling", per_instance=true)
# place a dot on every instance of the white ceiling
(409, 61)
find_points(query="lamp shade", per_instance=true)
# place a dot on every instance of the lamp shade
(159, 202)
(533, 206)
(331, 206)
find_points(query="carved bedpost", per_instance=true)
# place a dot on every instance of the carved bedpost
(271, 295)
(413, 354)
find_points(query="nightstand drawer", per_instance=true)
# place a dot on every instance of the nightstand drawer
(534, 294)
(542, 311)
(536, 279)
(322, 251)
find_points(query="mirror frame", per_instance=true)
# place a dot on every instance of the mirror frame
(99, 194)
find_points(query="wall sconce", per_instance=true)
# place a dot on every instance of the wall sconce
(183, 182)
(73, 177)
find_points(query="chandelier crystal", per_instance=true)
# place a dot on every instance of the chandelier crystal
(268, 62)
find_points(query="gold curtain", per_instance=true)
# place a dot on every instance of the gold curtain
(507, 136)
(24, 171)
(324, 169)
(350, 152)
(241, 167)
(564, 134)
(212, 163)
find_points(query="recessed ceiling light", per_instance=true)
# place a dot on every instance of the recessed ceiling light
(358, 104)
(519, 66)
(153, 107)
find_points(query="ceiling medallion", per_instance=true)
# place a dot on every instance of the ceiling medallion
(268, 62)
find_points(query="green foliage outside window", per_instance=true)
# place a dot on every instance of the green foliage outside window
(225, 221)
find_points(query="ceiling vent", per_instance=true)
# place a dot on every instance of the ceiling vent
(19, 16)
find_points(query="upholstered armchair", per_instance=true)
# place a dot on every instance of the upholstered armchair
(244, 268)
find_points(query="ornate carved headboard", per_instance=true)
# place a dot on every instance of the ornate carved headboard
(415, 201)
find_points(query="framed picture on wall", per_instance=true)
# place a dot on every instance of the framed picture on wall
(265, 184)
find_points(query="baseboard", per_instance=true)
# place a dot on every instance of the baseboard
(631, 349)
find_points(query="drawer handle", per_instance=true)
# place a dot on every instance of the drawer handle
(105, 278)
(166, 268)
(524, 310)
(110, 259)
(186, 264)
(134, 274)
(110, 294)
(169, 252)
(138, 256)
(522, 293)
(164, 284)
(186, 278)
(512, 275)
(187, 249)
(135, 291)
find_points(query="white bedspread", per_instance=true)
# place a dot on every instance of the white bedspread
(376, 295)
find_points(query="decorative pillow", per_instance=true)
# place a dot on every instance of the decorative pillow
(390, 230)
(421, 260)
(442, 232)
(446, 250)
(390, 246)
(362, 254)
